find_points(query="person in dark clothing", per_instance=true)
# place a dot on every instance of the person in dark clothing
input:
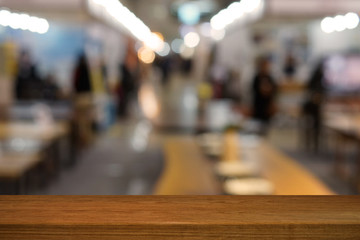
(128, 85)
(27, 82)
(264, 92)
(312, 109)
(290, 66)
(82, 75)
(165, 66)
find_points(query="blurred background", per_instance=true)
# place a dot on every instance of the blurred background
(179, 97)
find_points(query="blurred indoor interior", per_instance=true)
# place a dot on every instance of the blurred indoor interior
(179, 97)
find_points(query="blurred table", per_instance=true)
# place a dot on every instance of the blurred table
(187, 171)
(25, 146)
(33, 131)
(346, 127)
(13, 166)
(288, 176)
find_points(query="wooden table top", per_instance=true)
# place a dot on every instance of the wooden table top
(187, 171)
(32, 131)
(179, 217)
(14, 166)
(347, 123)
(288, 176)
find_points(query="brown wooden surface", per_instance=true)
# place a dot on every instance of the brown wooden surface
(187, 171)
(32, 131)
(288, 176)
(345, 127)
(14, 166)
(170, 217)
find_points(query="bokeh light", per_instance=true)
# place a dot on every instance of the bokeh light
(192, 39)
(146, 55)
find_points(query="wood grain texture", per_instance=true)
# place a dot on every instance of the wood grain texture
(179, 217)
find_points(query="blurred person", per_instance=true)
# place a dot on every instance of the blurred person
(27, 82)
(165, 67)
(264, 92)
(128, 84)
(187, 66)
(312, 109)
(81, 78)
(104, 75)
(290, 66)
(219, 75)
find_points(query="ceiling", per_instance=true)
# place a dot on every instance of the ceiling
(160, 15)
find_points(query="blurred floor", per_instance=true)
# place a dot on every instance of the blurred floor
(111, 167)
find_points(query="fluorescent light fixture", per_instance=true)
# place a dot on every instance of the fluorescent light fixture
(328, 25)
(23, 21)
(340, 23)
(241, 11)
(116, 12)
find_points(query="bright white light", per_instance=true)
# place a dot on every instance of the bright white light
(33, 21)
(340, 23)
(192, 39)
(176, 45)
(250, 5)
(5, 18)
(249, 9)
(43, 26)
(15, 21)
(351, 20)
(23, 21)
(217, 22)
(154, 42)
(218, 35)
(124, 17)
(165, 51)
(328, 25)
(235, 11)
